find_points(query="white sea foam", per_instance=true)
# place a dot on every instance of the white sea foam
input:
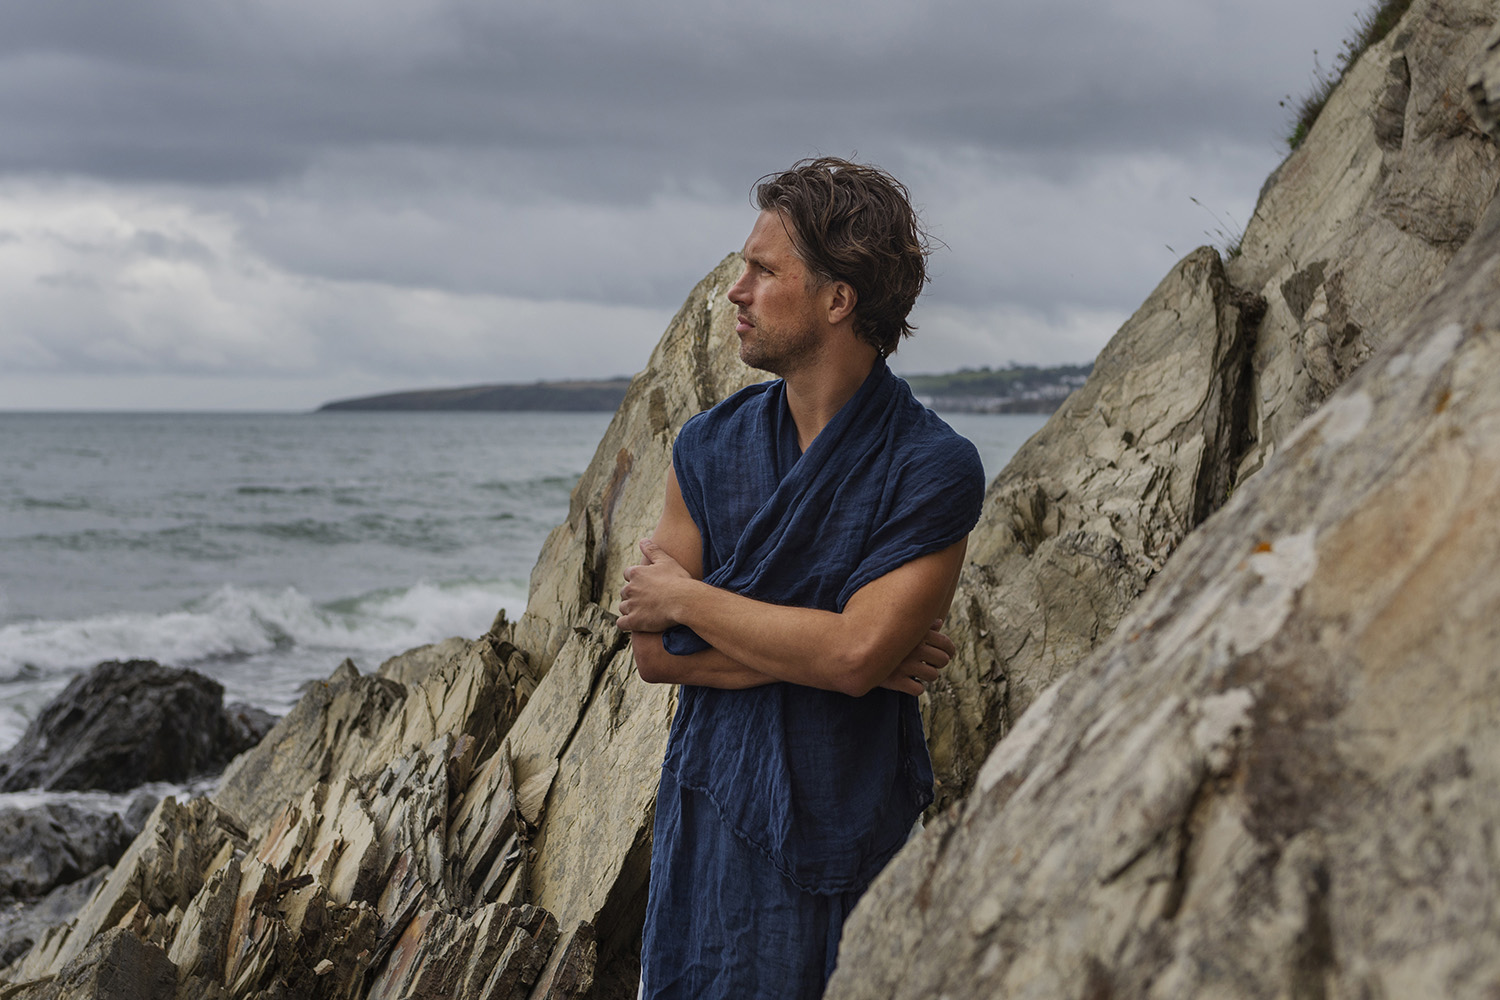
(236, 622)
(262, 645)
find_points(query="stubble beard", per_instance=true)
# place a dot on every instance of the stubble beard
(779, 352)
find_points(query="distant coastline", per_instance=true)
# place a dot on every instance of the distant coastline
(1013, 389)
(578, 396)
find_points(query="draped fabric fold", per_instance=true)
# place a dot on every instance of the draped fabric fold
(825, 785)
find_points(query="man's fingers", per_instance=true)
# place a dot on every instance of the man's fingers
(938, 640)
(936, 656)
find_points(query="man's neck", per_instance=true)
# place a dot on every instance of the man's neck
(816, 393)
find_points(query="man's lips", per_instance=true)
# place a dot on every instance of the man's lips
(742, 323)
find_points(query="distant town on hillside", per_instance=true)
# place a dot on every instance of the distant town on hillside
(1012, 389)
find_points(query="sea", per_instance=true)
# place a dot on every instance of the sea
(262, 549)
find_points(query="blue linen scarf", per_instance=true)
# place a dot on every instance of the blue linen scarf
(825, 785)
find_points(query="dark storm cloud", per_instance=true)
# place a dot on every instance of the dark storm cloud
(372, 190)
(595, 100)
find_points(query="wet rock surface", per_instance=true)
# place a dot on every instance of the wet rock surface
(48, 845)
(124, 724)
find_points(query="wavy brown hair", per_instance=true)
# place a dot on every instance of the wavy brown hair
(854, 223)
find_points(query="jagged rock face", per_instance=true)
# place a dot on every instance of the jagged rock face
(123, 724)
(618, 500)
(1213, 372)
(1091, 507)
(116, 966)
(354, 724)
(1276, 778)
(1354, 228)
(159, 874)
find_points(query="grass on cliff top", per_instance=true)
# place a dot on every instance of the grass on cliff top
(1369, 28)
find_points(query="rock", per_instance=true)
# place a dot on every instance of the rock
(250, 724)
(593, 847)
(122, 725)
(618, 499)
(352, 725)
(1350, 234)
(497, 953)
(48, 845)
(159, 874)
(118, 965)
(331, 730)
(23, 922)
(1275, 779)
(1354, 228)
(412, 666)
(1484, 82)
(1091, 507)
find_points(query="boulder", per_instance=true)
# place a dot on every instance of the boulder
(55, 843)
(1275, 779)
(126, 723)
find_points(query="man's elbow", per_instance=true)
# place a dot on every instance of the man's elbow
(649, 657)
(858, 672)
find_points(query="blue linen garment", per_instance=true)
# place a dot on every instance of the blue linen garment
(820, 786)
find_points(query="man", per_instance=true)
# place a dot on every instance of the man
(809, 545)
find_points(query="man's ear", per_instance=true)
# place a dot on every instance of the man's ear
(842, 298)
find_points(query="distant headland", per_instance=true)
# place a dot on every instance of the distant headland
(1013, 389)
(598, 395)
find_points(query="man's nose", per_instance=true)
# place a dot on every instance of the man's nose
(738, 290)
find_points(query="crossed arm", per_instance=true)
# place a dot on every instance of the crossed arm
(886, 636)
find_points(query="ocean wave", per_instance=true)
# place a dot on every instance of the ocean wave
(235, 622)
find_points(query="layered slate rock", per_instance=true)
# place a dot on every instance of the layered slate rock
(1276, 778)
(118, 965)
(126, 723)
(160, 873)
(354, 723)
(24, 921)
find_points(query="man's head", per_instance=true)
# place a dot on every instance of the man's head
(855, 224)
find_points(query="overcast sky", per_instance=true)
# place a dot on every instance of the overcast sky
(266, 204)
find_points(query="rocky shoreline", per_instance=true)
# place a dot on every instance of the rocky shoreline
(1221, 722)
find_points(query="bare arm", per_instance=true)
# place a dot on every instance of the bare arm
(677, 535)
(885, 636)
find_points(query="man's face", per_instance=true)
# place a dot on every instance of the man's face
(779, 318)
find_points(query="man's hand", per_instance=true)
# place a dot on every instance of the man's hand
(651, 589)
(921, 666)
